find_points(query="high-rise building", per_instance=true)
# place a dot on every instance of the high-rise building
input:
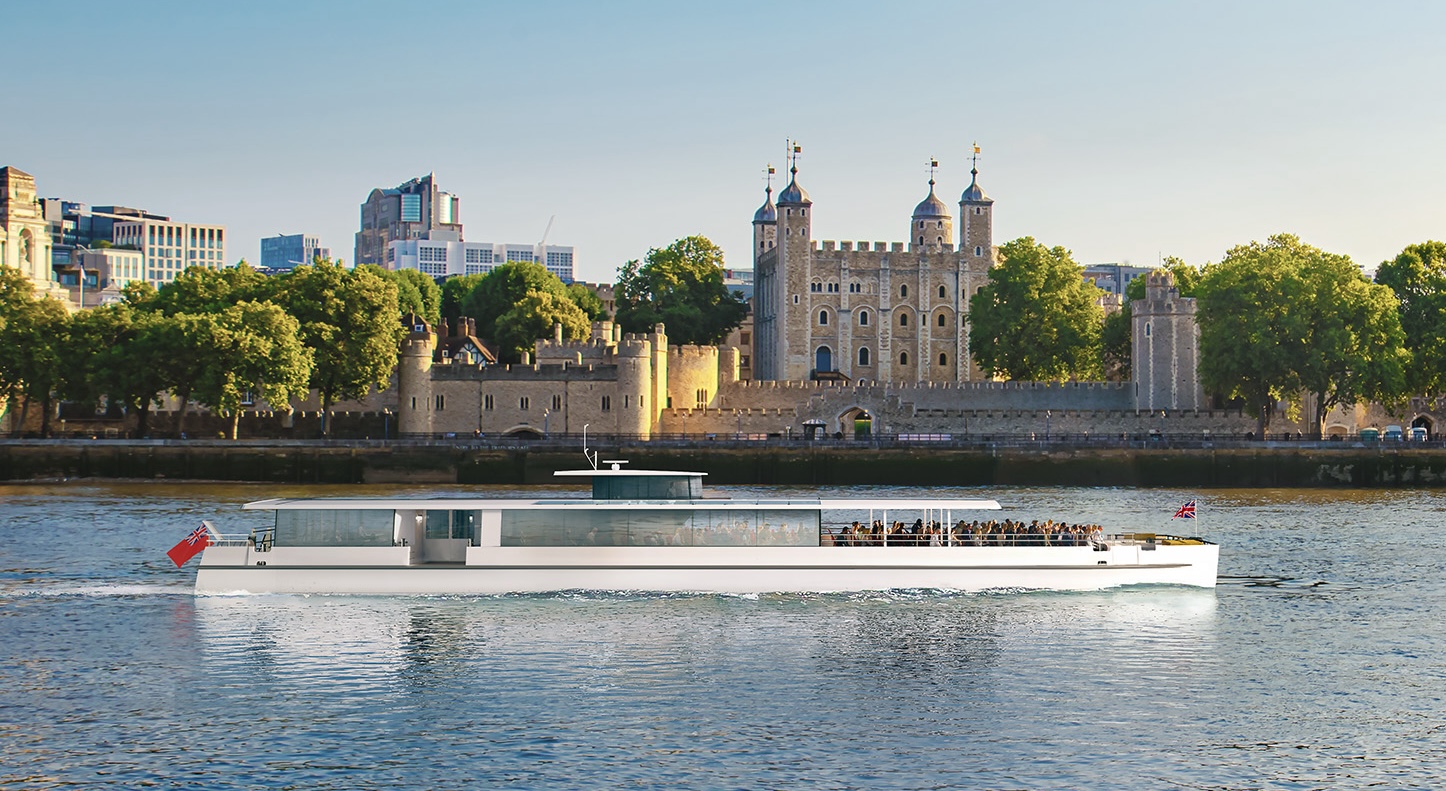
(444, 257)
(414, 210)
(291, 251)
(171, 247)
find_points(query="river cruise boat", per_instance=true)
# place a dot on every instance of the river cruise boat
(651, 530)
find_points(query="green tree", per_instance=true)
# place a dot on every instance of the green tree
(1356, 345)
(349, 319)
(454, 292)
(533, 317)
(33, 340)
(587, 300)
(253, 348)
(199, 289)
(1281, 317)
(1037, 319)
(1418, 278)
(680, 286)
(1117, 335)
(502, 288)
(416, 293)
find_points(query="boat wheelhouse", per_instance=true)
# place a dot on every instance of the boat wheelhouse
(652, 530)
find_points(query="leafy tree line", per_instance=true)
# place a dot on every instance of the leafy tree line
(1278, 320)
(210, 335)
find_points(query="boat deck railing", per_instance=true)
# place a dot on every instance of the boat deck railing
(838, 537)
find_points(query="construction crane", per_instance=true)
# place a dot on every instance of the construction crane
(540, 254)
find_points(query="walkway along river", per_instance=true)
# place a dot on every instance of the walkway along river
(469, 461)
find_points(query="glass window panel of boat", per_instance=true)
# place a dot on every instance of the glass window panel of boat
(669, 528)
(451, 524)
(788, 528)
(464, 525)
(334, 528)
(731, 528)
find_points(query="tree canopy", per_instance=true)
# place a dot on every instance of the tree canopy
(503, 288)
(348, 318)
(680, 286)
(416, 292)
(1418, 278)
(1281, 317)
(252, 348)
(1037, 319)
(533, 317)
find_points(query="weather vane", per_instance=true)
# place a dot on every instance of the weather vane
(933, 166)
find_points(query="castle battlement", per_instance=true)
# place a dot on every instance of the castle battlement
(692, 350)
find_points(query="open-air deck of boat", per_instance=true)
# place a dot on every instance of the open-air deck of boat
(650, 530)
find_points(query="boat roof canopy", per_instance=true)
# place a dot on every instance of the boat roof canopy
(618, 473)
(561, 504)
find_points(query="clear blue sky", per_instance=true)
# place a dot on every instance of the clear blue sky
(1122, 131)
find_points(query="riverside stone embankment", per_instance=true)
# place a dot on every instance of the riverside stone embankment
(1243, 465)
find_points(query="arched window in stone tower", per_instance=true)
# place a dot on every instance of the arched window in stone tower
(864, 358)
(863, 318)
(1147, 329)
(823, 318)
(904, 320)
(943, 358)
(942, 321)
(942, 293)
(903, 358)
(904, 290)
(921, 240)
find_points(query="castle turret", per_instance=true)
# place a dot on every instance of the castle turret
(790, 356)
(932, 226)
(976, 222)
(414, 377)
(634, 360)
(1165, 353)
(765, 225)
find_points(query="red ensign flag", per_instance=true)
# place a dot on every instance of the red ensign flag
(199, 539)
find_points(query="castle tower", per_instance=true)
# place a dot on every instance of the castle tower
(932, 226)
(976, 222)
(795, 249)
(765, 224)
(414, 378)
(634, 359)
(1165, 353)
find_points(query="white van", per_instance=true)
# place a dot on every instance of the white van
(1392, 433)
(1419, 434)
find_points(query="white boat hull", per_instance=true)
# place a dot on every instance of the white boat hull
(500, 570)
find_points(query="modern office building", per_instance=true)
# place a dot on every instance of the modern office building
(170, 247)
(444, 257)
(291, 250)
(414, 210)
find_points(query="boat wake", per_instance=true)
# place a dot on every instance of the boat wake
(98, 591)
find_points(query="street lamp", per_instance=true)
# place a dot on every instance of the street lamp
(1047, 415)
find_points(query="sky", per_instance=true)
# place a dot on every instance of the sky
(1123, 131)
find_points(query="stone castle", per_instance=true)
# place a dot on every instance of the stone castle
(848, 341)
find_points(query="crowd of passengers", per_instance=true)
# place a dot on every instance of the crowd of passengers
(993, 533)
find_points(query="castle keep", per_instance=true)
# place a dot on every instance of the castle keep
(886, 312)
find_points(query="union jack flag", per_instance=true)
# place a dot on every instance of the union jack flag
(199, 539)
(1187, 511)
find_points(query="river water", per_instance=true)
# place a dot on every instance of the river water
(1316, 663)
